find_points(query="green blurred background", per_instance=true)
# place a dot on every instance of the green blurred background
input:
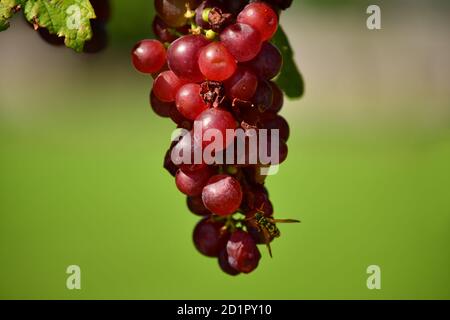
(81, 177)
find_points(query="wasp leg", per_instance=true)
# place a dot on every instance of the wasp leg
(267, 239)
(270, 249)
(285, 221)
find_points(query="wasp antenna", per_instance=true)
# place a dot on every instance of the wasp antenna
(286, 221)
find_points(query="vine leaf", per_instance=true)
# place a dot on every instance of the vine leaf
(65, 18)
(290, 79)
(7, 9)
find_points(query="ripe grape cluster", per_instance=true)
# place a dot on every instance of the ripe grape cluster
(213, 64)
(99, 39)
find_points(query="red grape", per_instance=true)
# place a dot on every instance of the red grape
(149, 56)
(261, 17)
(267, 64)
(242, 85)
(189, 102)
(222, 195)
(242, 40)
(243, 255)
(217, 119)
(210, 237)
(216, 63)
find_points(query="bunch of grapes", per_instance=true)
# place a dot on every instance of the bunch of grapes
(213, 66)
(99, 39)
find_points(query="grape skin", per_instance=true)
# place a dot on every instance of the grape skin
(216, 63)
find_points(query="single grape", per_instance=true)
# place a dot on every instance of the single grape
(267, 64)
(189, 102)
(263, 97)
(148, 56)
(166, 86)
(278, 98)
(243, 254)
(260, 16)
(161, 108)
(224, 265)
(192, 183)
(222, 195)
(196, 206)
(218, 119)
(242, 40)
(172, 11)
(242, 85)
(216, 63)
(182, 57)
(210, 237)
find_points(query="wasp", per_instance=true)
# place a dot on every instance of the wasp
(267, 227)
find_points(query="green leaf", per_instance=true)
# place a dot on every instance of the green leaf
(65, 18)
(290, 80)
(7, 10)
